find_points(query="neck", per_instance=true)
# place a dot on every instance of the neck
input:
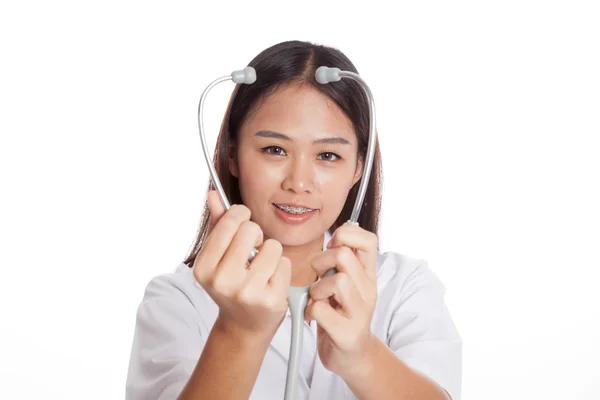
(302, 272)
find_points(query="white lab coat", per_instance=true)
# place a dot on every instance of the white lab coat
(176, 316)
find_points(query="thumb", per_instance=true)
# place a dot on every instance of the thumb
(307, 317)
(216, 209)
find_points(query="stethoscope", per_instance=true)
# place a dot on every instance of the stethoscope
(297, 295)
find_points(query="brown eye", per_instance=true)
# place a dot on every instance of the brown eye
(329, 155)
(277, 153)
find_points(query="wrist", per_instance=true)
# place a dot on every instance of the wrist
(363, 368)
(239, 336)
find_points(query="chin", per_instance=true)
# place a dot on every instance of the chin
(294, 235)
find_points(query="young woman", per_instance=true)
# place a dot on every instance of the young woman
(290, 157)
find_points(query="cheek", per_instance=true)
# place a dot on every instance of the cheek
(338, 177)
(257, 180)
(335, 186)
(254, 172)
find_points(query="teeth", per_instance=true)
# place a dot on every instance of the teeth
(293, 210)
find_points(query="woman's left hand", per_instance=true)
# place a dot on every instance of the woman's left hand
(343, 303)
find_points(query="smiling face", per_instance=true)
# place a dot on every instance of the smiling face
(297, 147)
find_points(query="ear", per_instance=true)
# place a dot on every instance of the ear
(233, 163)
(359, 170)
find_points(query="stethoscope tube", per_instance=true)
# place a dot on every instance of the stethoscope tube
(297, 295)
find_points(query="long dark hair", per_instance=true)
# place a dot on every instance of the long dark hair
(296, 62)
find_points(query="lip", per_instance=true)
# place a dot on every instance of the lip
(294, 219)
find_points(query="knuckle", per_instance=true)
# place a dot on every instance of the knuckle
(342, 280)
(256, 229)
(246, 226)
(270, 302)
(343, 232)
(245, 296)
(220, 285)
(242, 212)
(343, 254)
(285, 262)
(251, 230)
(236, 214)
(274, 246)
(317, 310)
(229, 222)
(374, 239)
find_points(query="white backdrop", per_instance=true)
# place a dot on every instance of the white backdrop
(489, 120)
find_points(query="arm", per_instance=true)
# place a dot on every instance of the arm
(422, 357)
(385, 376)
(228, 366)
(171, 359)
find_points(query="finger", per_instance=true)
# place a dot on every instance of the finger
(363, 242)
(231, 273)
(216, 212)
(218, 241)
(264, 264)
(344, 260)
(327, 318)
(308, 303)
(236, 256)
(342, 289)
(216, 209)
(282, 277)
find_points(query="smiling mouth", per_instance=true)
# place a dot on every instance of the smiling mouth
(293, 210)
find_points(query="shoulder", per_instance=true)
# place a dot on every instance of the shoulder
(178, 283)
(169, 336)
(410, 292)
(415, 322)
(178, 294)
(401, 273)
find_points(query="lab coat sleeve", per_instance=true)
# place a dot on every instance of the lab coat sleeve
(167, 342)
(422, 333)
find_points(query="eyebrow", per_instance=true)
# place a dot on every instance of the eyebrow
(277, 135)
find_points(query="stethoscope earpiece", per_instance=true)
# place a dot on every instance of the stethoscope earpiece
(245, 76)
(324, 75)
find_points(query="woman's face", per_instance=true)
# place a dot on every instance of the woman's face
(297, 147)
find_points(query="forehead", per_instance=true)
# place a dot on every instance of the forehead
(302, 112)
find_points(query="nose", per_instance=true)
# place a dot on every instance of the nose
(300, 175)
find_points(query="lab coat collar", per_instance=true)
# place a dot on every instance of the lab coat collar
(326, 239)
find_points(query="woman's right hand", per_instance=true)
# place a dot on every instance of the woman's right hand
(252, 302)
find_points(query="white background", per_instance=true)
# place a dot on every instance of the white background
(488, 118)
